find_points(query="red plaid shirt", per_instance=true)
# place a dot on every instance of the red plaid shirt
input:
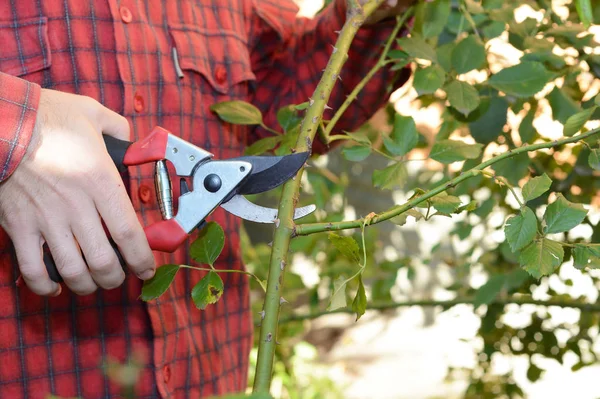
(120, 53)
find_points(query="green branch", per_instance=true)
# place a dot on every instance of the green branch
(585, 307)
(380, 64)
(355, 16)
(311, 228)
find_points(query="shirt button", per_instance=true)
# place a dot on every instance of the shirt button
(220, 74)
(167, 374)
(144, 193)
(125, 14)
(138, 103)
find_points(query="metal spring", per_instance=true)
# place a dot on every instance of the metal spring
(164, 193)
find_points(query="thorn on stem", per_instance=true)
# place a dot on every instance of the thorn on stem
(334, 49)
(262, 315)
(282, 301)
(327, 107)
(276, 221)
(269, 337)
(315, 119)
(310, 102)
(337, 32)
(282, 265)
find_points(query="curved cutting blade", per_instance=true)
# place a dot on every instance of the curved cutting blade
(269, 172)
(241, 207)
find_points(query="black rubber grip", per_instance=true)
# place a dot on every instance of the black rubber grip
(53, 270)
(116, 149)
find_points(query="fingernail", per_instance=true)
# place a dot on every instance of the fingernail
(146, 274)
(58, 291)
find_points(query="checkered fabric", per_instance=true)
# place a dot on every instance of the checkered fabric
(120, 52)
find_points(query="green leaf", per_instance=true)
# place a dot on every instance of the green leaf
(584, 10)
(462, 96)
(209, 244)
(522, 80)
(490, 125)
(515, 279)
(238, 112)
(288, 117)
(468, 54)
(526, 129)
(416, 47)
(338, 297)
(391, 176)
(542, 257)
(346, 245)
(400, 220)
(563, 106)
(301, 106)
(159, 283)
(445, 203)
(444, 55)
(576, 122)
(534, 372)
(548, 58)
(536, 187)
(263, 145)
(359, 304)
(432, 17)
(513, 169)
(449, 151)
(562, 215)
(585, 257)
(428, 80)
(359, 138)
(493, 29)
(356, 153)
(404, 137)
(520, 229)
(208, 290)
(489, 291)
(594, 159)
(397, 55)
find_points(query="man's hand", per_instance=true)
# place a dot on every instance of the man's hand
(389, 9)
(62, 189)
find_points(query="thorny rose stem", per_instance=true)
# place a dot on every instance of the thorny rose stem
(312, 228)
(355, 16)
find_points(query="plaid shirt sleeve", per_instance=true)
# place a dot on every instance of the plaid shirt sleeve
(18, 110)
(289, 54)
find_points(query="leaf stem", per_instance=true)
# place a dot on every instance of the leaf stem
(585, 307)
(267, 128)
(203, 269)
(311, 228)
(380, 64)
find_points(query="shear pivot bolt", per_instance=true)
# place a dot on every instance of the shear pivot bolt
(212, 183)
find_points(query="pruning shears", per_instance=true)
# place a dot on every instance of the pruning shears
(214, 183)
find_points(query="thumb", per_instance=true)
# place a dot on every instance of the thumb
(115, 125)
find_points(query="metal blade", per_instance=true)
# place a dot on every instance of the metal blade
(241, 207)
(269, 172)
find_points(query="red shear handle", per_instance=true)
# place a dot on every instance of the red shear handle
(152, 148)
(165, 236)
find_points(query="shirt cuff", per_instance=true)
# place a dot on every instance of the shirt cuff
(19, 100)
